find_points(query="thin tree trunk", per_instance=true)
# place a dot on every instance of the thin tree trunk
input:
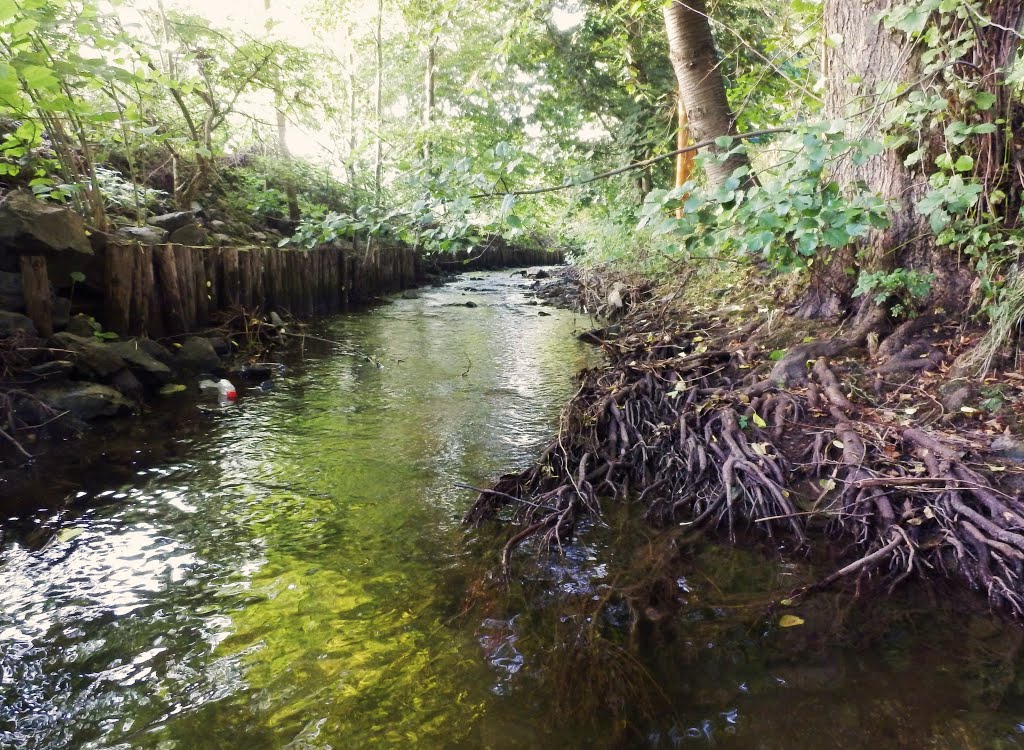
(428, 98)
(378, 170)
(695, 62)
(291, 194)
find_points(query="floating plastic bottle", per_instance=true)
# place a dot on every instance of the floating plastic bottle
(224, 389)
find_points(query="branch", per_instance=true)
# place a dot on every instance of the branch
(629, 167)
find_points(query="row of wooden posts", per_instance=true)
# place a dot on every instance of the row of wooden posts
(164, 290)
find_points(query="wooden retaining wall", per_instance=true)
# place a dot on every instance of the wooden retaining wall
(163, 290)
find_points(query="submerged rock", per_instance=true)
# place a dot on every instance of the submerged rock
(86, 401)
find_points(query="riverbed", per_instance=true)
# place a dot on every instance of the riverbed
(291, 572)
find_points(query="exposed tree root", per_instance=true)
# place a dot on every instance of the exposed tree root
(695, 424)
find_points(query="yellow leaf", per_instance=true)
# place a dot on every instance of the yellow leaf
(993, 467)
(910, 410)
(968, 410)
(786, 602)
(758, 421)
(790, 621)
(760, 449)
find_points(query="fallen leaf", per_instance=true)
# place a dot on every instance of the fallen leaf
(838, 444)
(758, 421)
(790, 621)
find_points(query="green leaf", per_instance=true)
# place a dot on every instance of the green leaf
(964, 164)
(171, 388)
(775, 356)
(77, 276)
(758, 421)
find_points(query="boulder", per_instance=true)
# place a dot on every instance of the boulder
(12, 295)
(85, 400)
(33, 226)
(61, 312)
(154, 350)
(218, 226)
(197, 355)
(144, 235)
(173, 221)
(537, 273)
(144, 366)
(128, 386)
(93, 359)
(190, 234)
(220, 239)
(54, 370)
(220, 345)
(12, 323)
(80, 325)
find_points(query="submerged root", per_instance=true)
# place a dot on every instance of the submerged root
(698, 427)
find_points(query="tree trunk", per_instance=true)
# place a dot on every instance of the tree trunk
(701, 87)
(378, 169)
(428, 98)
(863, 76)
(291, 194)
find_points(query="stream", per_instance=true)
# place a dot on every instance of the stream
(292, 572)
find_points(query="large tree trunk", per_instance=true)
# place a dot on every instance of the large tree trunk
(701, 87)
(879, 61)
(865, 77)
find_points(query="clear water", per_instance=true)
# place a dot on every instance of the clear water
(292, 573)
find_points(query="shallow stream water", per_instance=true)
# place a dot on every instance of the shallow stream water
(291, 572)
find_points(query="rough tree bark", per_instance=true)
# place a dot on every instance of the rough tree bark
(695, 62)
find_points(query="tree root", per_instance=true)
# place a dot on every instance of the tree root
(677, 425)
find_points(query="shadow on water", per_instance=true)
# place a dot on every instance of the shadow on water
(292, 573)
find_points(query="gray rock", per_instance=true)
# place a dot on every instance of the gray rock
(12, 322)
(85, 400)
(220, 345)
(172, 221)
(56, 370)
(197, 355)
(61, 312)
(275, 320)
(144, 235)
(144, 366)
(12, 295)
(471, 303)
(154, 350)
(80, 325)
(128, 386)
(190, 234)
(410, 294)
(217, 225)
(258, 236)
(536, 273)
(30, 224)
(220, 239)
(93, 359)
